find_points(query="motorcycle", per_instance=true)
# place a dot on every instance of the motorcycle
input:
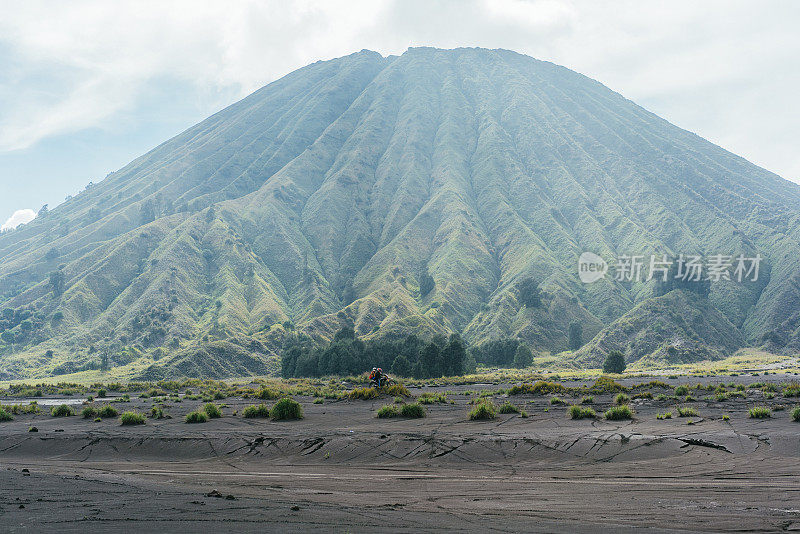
(382, 382)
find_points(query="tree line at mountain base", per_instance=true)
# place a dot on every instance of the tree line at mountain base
(410, 356)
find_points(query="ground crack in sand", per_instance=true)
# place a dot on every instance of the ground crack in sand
(704, 443)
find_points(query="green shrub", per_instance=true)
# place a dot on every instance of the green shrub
(622, 399)
(431, 398)
(5, 416)
(667, 415)
(16, 409)
(397, 389)
(587, 400)
(796, 414)
(413, 410)
(726, 417)
(557, 401)
(605, 384)
(681, 390)
(286, 409)
(760, 412)
(792, 390)
(581, 412)
(617, 413)
(363, 394)
(687, 411)
(132, 418)
(89, 412)
(62, 410)
(212, 410)
(156, 412)
(266, 393)
(484, 411)
(507, 407)
(539, 388)
(389, 410)
(319, 401)
(196, 417)
(107, 411)
(101, 393)
(253, 411)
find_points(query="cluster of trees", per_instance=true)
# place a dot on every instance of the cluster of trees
(346, 354)
(508, 352)
(18, 325)
(529, 293)
(678, 280)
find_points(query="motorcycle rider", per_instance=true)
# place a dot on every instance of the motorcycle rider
(377, 376)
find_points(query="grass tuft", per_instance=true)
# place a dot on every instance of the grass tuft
(618, 413)
(196, 417)
(431, 398)
(62, 410)
(363, 394)
(484, 411)
(387, 411)
(132, 418)
(397, 390)
(254, 411)
(212, 411)
(622, 399)
(581, 412)
(507, 407)
(266, 393)
(760, 412)
(286, 409)
(413, 410)
(107, 411)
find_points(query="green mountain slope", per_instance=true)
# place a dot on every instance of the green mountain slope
(320, 199)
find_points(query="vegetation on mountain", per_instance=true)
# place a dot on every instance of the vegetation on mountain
(433, 193)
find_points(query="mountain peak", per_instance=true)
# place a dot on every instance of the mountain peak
(416, 193)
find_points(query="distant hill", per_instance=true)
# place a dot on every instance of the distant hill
(409, 194)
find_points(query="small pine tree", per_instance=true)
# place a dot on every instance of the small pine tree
(615, 362)
(523, 357)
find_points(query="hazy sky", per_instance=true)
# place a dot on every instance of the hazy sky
(86, 86)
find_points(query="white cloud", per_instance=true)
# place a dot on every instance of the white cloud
(722, 68)
(20, 217)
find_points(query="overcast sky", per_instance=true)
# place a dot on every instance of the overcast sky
(87, 86)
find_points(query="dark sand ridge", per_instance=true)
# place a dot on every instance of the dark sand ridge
(345, 470)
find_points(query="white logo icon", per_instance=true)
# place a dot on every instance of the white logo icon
(591, 267)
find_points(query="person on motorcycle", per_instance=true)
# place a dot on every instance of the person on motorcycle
(377, 376)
